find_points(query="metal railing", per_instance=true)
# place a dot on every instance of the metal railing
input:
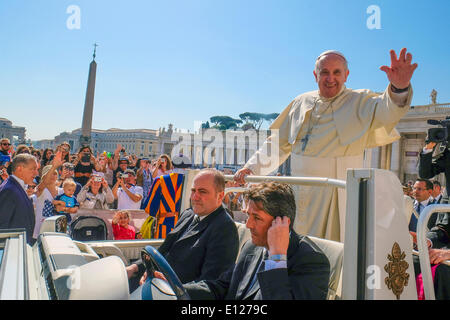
(424, 257)
(305, 181)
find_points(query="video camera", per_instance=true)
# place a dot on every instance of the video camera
(439, 135)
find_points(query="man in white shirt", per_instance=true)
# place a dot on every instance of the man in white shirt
(128, 195)
(422, 194)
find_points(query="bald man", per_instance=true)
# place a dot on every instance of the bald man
(326, 131)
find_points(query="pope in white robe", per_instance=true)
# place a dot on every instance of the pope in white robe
(326, 131)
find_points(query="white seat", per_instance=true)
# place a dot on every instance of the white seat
(335, 254)
(244, 235)
(109, 249)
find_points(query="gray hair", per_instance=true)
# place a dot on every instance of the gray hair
(22, 159)
(277, 199)
(328, 52)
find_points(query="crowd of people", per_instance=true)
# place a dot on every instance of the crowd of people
(67, 180)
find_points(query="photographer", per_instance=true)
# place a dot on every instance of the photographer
(84, 164)
(163, 166)
(96, 194)
(128, 195)
(428, 168)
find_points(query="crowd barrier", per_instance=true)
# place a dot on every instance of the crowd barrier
(137, 217)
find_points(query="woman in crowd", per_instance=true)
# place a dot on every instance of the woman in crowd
(84, 165)
(37, 154)
(104, 166)
(96, 194)
(21, 148)
(46, 156)
(163, 166)
(46, 192)
(144, 177)
(64, 148)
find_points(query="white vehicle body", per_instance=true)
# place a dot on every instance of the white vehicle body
(365, 266)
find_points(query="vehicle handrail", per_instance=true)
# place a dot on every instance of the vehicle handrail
(235, 189)
(306, 181)
(424, 257)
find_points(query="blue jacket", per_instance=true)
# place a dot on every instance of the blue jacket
(16, 209)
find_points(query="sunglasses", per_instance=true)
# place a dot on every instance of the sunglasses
(31, 186)
(6, 144)
(69, 168)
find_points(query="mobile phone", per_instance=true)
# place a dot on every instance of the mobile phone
(86, 157)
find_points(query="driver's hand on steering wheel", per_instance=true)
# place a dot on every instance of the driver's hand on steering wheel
(156, 274)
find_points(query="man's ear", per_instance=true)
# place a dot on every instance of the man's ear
(315, 75)
(221, 195)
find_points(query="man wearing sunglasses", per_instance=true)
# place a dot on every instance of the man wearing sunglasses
(5, 146)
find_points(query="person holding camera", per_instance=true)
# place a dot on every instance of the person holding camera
(430, 166)
(163, 166)
(96, 194)
(85, 163)
(67, 171)
(128, 195)
(439, 225)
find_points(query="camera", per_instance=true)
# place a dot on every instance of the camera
(439, 135)
(123, 175)
(86, 157)
(2, 172)
(97, 179)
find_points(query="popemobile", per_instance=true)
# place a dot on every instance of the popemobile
(374, 262)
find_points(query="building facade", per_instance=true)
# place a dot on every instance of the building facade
(15, 134)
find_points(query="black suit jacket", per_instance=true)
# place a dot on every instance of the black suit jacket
(206, 250)
(306, 277)
(16, 209)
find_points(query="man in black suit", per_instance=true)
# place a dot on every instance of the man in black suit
(277, 264)
(204, 242)
(16, 209)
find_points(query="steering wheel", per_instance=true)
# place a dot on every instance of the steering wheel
(154, 261)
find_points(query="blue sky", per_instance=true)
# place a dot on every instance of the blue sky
(177, 61)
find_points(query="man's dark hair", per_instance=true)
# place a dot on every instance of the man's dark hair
(22, 159)
(277, 199)
(428, 183)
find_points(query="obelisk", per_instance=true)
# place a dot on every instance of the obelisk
(85, 138)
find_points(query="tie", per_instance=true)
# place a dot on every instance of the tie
(259, 269)
(413, 221)
(194, 223)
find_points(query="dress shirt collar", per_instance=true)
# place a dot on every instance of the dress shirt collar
(203, 217)
(21, 182)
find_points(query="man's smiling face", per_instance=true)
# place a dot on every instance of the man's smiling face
(331, 75)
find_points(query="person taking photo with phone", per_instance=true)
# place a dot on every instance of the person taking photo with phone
(127, 193)
(85, 164)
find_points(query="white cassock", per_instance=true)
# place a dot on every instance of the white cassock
(338, 130)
